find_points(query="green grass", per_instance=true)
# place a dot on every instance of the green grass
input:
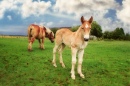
(106, 63)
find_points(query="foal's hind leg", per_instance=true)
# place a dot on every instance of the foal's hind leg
(60, 52)
(54, 55)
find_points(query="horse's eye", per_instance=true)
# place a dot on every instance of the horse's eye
(82, 28)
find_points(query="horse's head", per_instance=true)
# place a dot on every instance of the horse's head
(86, 27)
(51, 36)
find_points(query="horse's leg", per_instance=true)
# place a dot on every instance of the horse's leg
(74, 51)
(80, 60)
(39, 43)
(30, 43)
(29, 39)
(54, 55)
(42, 44)
(60, 52)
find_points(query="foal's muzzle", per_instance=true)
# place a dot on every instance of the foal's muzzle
(86, 39)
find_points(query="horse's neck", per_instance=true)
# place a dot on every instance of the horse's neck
(79, 32)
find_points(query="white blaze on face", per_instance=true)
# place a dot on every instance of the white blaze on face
(86, 26)
(86, 35)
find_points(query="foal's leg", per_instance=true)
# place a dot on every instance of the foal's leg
(54, 55)
(74, 51)
(80, 60)
(60, 52)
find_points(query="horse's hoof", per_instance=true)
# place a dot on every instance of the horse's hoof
(29, 50)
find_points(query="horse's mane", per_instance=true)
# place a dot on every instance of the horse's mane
(49, 31)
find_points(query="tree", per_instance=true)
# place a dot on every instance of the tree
(96, 29)
(118, 33)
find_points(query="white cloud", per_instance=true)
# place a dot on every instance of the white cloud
(124, 13)
(49, 24)
(24, 7)
(9, 17)
(34, 8)
(98, 9)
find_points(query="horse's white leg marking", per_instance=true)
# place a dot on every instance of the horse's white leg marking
(80, 60)
(30, 45)
(54, 55)
(60, 52)
(74, 51)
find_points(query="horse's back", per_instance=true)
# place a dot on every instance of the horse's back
(63, 35)
(36, 31)
(63, 31)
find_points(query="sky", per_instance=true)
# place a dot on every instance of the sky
(17, 15)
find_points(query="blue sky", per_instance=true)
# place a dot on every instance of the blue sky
(17, 15)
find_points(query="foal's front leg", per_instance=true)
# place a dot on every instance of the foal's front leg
(74, 51)
(80, 60)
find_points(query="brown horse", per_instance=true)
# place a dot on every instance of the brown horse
(77, 41)
(39, 32)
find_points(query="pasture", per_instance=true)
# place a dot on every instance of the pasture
(106, 63)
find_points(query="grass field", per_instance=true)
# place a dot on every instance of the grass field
(106, 63)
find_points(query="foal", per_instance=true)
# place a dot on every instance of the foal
(77, 41)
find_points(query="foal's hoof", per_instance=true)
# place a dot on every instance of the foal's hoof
(54, 65)
(73, 77)
(82, 76)
(62, 64)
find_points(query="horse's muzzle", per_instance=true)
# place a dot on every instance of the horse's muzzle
(86, 39)
(52, 41)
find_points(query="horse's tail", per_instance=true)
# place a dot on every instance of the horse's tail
(29, 31)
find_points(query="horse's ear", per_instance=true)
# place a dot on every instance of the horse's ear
(82, 19)
(90, 20)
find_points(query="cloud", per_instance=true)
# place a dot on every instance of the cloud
(81, 7)
(34, 8)
(9, 17)
(124, 13)
(25, 8)
(6, 5)
(98, 9)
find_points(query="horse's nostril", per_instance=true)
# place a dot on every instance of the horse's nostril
(85, 39)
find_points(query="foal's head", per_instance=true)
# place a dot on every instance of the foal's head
(86, 27)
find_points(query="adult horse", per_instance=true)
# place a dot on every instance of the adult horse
(39, 33)
(77, 41)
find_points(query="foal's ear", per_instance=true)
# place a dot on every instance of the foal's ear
(82, 19)
(90, 20)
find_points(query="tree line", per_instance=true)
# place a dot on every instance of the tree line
(96, 30)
